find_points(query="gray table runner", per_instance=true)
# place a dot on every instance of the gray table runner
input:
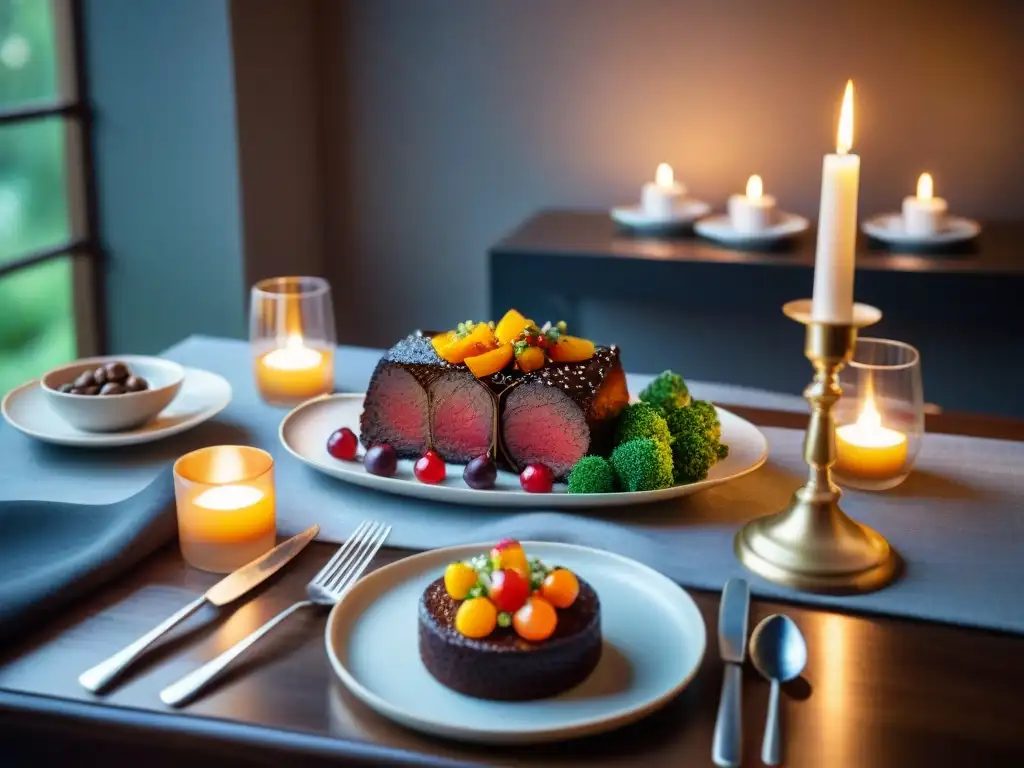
(957, 521)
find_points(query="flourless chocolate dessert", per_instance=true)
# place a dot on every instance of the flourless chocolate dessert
(502, 664)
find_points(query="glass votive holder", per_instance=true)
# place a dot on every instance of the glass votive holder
(226, 511)
(880, 417)
(291, 332)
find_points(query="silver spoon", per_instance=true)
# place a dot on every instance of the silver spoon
(779, 652)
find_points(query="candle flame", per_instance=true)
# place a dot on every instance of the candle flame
(869, 417)
(664, 177)
(925, 187)
(755, 187)
(844, 138)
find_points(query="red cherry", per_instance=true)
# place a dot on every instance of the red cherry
(506, 543)
(508, 590)
(429, 468)
(536, 478)
(343, 444)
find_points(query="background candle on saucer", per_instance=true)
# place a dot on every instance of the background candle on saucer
(837, 225)
(292, 338)
(226, 507)
(754, 211)
(660, 197)
(923, 213)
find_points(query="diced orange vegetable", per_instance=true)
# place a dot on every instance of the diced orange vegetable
(480, 339)
(490, 362)
(530, 359)
(510, 326)
(441, 339)
(571, 349)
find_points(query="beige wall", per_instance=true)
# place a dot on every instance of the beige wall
(446, 122)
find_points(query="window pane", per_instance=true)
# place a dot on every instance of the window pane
(33, 196)
(28, 64)
(37, 321)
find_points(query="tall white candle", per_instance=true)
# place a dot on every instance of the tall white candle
(837, 225)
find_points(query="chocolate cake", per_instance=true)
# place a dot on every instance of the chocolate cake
(503, 666)
(554, 415)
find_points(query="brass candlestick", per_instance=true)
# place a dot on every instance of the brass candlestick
(812, 545)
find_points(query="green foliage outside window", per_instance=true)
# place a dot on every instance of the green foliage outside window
(36, 312)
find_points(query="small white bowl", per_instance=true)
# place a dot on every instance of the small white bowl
(113, 413)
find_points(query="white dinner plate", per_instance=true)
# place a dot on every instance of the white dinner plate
(654, 641)
(202, 396)
(888, 227)
(305, 430)
(683, 215)
(720, 228)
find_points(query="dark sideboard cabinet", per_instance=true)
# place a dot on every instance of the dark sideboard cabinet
(714, 313)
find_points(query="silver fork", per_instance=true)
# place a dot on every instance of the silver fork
(327, 588)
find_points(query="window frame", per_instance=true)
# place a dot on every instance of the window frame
(83, 244)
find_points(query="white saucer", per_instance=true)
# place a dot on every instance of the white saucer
(720, 228)
(202, 396)
(888, 227)
(654, 641)
(685, 213)
(304, 432)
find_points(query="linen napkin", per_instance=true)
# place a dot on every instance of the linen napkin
(54, 553)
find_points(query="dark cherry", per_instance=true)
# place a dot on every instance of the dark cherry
(99, 376)
(135, 384)
(116, 371)
(85, 379)
(536, 478)
(342, 444)
(93, 390)
(430, 468)
(112, 388)
(381, 460)
(480, 473)
(65, 388)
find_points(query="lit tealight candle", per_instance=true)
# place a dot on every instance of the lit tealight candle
(294, 372)
(923, 214)
(867, 450)
(660, 197)
(754, 211)
(226, 506)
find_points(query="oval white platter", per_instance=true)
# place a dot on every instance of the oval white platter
(654, 641)
(305, 430)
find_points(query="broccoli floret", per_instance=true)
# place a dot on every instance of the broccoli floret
(723, 451)
(643, 465)
(695, 441)
(667, 392)
(641, 420)
(592, 474)
(710, 416)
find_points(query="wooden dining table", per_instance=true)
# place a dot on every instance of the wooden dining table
(889, 692)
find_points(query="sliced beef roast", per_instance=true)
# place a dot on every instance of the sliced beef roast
(396, 411)
(462, 416)
(555, 415)
(564, 411)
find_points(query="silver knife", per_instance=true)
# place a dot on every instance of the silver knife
(727, 749)
(230, 588)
